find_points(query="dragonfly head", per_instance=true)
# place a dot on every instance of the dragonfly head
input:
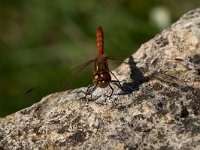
(102, 79)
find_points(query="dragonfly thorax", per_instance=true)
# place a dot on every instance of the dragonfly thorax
(100, 65)
(101, 77)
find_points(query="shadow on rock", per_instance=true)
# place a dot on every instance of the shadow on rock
(136, 76)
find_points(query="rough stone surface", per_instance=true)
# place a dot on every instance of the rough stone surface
(159, 110)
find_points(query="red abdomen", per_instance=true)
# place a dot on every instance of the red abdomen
(99, 37)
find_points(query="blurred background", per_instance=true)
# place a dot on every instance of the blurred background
(42, 40)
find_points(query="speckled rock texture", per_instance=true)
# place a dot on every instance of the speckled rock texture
(158, 108)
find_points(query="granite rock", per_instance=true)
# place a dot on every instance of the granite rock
(158, 106)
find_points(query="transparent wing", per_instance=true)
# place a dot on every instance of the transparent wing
(120, 60)
(71, 76)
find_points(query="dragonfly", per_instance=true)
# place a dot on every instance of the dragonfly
(101, 72)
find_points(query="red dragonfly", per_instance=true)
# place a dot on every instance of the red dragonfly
(102, 74)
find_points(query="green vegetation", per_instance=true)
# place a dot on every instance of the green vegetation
(40, 41)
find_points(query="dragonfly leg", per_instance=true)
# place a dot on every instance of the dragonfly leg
(87, 92)
(90, 90)
(119, 84)
(111, 91)
(116, 81)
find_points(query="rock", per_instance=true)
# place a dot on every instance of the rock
(159, 107)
